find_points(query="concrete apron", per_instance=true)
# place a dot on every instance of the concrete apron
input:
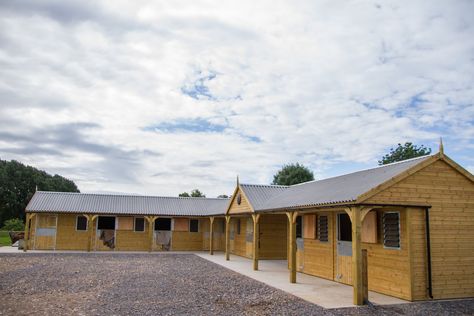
(325, 293)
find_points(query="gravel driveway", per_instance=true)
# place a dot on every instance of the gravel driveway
(159, 284)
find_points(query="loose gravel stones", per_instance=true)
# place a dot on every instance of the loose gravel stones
(159, 284)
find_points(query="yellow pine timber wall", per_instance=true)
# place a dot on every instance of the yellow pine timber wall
(451, 196)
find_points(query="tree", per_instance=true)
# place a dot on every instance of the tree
(18, 184)
(403, 152)
(13, 224)
(194, 193)
(223, 196)
(197, 193)
(292, 174)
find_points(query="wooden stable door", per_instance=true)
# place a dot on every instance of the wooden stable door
(45, 232)
(343, 260)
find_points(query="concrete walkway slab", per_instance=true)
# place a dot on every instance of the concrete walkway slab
(325, 293)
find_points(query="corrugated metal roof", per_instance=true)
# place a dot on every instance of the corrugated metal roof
(67, 202)
(259, 194)
(345, 188)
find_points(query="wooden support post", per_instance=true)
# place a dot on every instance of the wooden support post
(358, 290)
(292, 255)
(90, 228)
(89, 231)
(365, 277)
(151, 221)
(211, 235)
(256, 240)
(27, 232)
(288, 244)
(227, 237)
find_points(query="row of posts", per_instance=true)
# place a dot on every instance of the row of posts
(359, 255)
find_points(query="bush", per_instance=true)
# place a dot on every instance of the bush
(14, 224)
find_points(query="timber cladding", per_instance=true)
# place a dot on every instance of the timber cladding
(318, 256)
(68, 238)
(239, 225)
(451, 196)
(243, 207)
(388, 269)
(273, 234)
(219, 234)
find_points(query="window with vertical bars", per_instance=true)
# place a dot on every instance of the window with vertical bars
(323, 228)
(391, 229)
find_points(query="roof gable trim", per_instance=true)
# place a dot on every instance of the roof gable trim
(238, 188)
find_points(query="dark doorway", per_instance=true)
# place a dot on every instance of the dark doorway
(163, 224)
(106, 222)
(345, 227)
(299, 227)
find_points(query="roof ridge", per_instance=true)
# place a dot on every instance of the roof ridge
(266, 185)
(134, 195)
(366, 169)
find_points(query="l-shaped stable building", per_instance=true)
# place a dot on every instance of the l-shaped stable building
(407, 227)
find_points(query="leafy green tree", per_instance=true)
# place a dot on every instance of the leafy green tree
(292, 174)
(197, 193)
(223, 196)
(194, 193)
(13, 224)
(403, 152)
(18, 184)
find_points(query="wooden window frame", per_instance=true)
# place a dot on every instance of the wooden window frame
(87, 224)
(318, 229)
(135, 224)
(193, 219)
(399, 231)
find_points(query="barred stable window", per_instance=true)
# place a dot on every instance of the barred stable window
(81, 223)
(194, 225)
(323, 228)
(391, 229)
(139, 224)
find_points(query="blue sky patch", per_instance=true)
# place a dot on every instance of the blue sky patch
(187, 125)
(198, 89)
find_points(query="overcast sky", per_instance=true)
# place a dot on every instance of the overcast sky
(159, 98)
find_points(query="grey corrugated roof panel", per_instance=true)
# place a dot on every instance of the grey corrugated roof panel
(340, 189)
(259, 194)
(67, 202)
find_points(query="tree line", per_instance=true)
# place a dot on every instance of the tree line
(18, 183)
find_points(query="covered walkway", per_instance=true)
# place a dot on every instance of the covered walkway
(325, 293)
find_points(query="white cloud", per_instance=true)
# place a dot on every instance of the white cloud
(318, 83)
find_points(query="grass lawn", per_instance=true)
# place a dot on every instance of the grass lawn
(4, 239)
